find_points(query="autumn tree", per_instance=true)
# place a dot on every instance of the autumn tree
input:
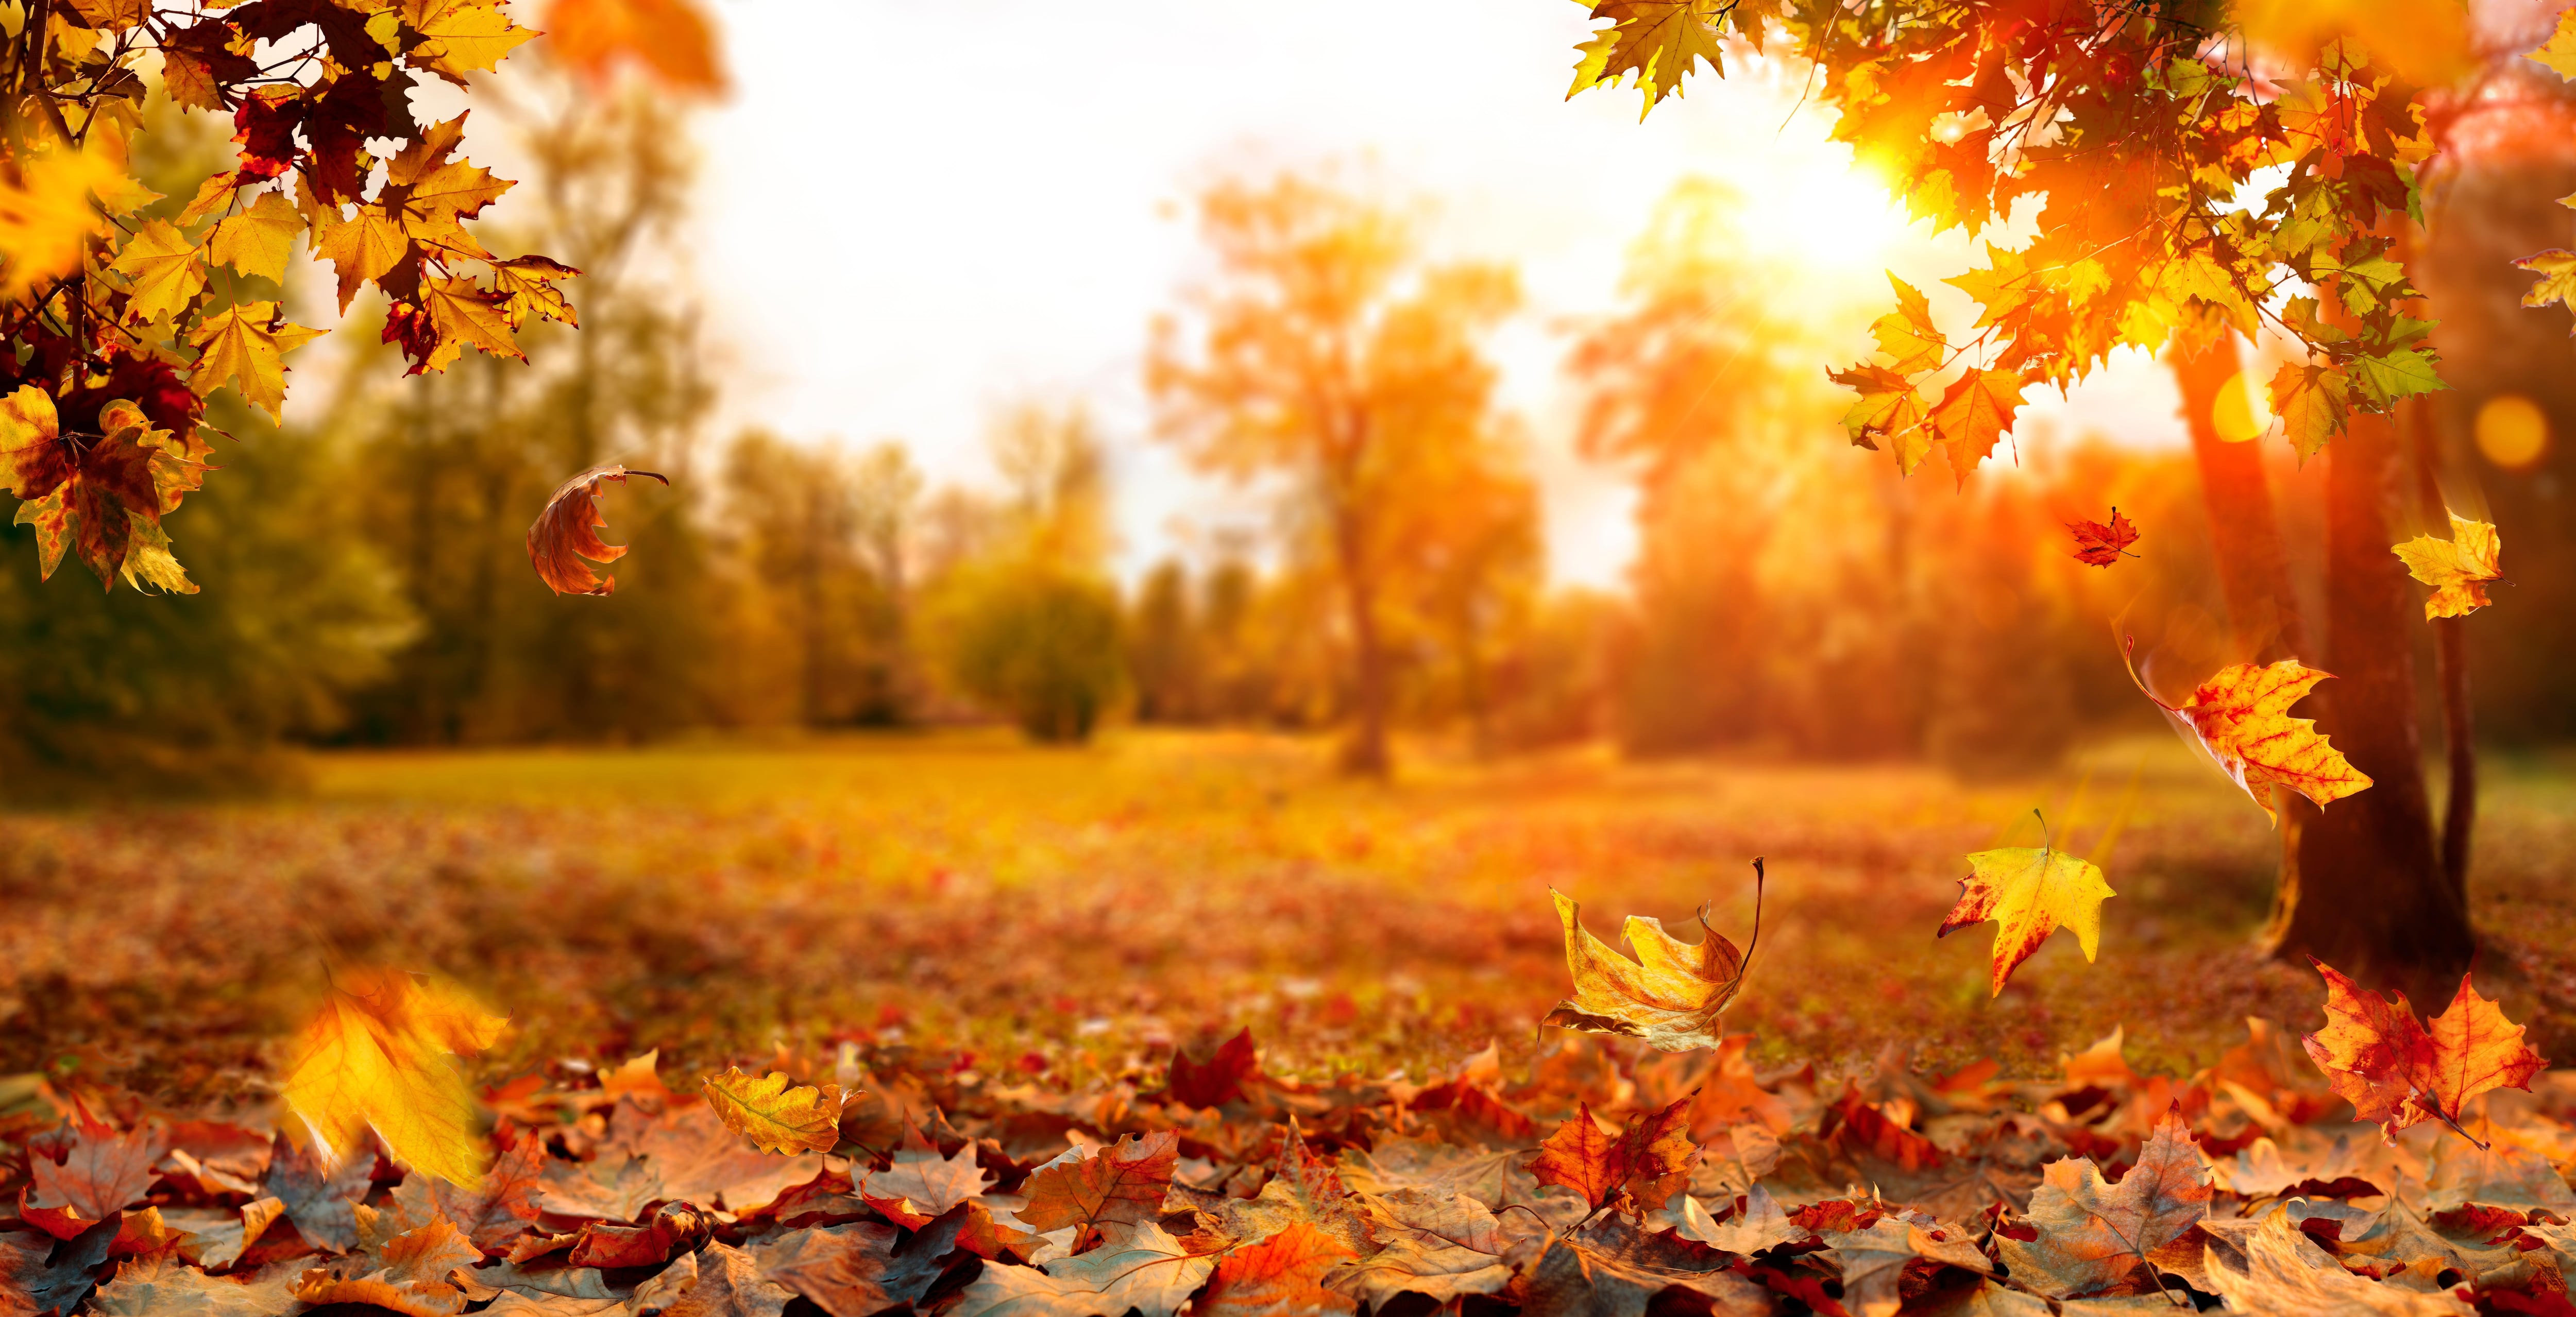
(2189, 171)
(1326, 351)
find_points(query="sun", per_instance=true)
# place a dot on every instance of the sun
(1808, 206)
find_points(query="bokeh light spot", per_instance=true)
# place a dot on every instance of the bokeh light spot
(2243, 411)
(2512, 431)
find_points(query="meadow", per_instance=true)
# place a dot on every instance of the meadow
(1076, 913)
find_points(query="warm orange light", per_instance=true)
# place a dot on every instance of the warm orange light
(2243, 411)
(2512, 431)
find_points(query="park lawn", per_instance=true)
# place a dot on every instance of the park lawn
(1077, 912)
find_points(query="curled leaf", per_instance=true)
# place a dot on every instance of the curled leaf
(774, 1116)
(2242, 717)
(565, 533)
(1671, 995)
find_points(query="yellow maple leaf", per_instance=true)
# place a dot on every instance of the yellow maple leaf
(464, 315)
(1973, 415)
(463, 36)
(773, 1115)
(2242, 717)
(165, 269)
(247, 344)
(526, 287)
(257, 241)
(2458, 568)
(377, 1056)
(2559, 52)
(360, 249)
(2030, 892)
(1671, 995)
(47, 217)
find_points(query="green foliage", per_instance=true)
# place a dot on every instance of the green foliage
(1037, 643)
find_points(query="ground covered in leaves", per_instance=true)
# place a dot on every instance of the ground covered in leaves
(999, 951)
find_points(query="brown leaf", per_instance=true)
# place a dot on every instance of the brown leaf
(1093, 1186)
(2281, 1272)
(849, 1271)
(492, 1215)
(565, 533)
(2092, 1233)
(1612, 1269)
(716, 1281)
(1671, 995)
(1281, 1276)
(411, 1276)
(1646, 1162)
(1874, 1260)
(319, 1201)
(1215, 1079)
(104, 1175)
(675, 1228)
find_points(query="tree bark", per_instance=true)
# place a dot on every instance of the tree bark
(2379, 907)
(2450, 669)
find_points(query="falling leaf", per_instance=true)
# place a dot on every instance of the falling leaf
(1647, 1161)
(565, 533)
(773, 1115)
(378, 1056)
(46, 217)
(2458, 568)
(2092, 1233)
(1124, 1182)
(2097, 545)
(2397, 1072)
(2029, 891)
(2242, 717)
(1671, 995)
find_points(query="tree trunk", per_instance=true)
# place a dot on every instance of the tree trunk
(2450, 668)
(1366, 754)
(2361, 885)
(2378, 906)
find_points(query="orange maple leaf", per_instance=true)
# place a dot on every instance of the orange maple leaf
(2097, 545)
(566, 532)
(2242, 717)
(1087, 1187)
(1647, 1161)
(2398, 1072)
(1281, 1274)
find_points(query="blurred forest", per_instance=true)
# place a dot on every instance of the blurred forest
(364, 580)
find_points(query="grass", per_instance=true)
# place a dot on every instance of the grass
(1080, 911)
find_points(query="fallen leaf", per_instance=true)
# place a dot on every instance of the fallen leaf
(2092, 1233)
(103, 1175)
(2029, 892)
(33, 1284)
(1439, 1247)
(565, 533)
(2458, 568)
(491, 1215)
(1759, 1225)
(715, 1281)
(2242, 717)
(2097, 545)
(2398, 1073)
(378, 1056)
(775, 1116)
(161, 1286)
(1612, 1269)
(1124, 1182)
(2281, 1273)
(1873, 1260)
(411, 1278)
(1278, 1277)
(848, 1270)
(319, 1198)
(1671, 995)
(1646, 1162)
(1137, 1267)
(1216, 1079)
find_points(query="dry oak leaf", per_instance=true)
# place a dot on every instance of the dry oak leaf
(671, 39)
(2458, 568)
(247, 346)
(1282, 1276)
(2098, 545)
(2280, 1274)
(2399, 1073)
(1671, 995)
(2093, 1233)
(2029, 892)
(2242, 717)
(775, 1114)
(1647, 1161)
(1873, 1260)
(1125, 1182)
(1136, 1267)
(565, 533)
(379, 1055)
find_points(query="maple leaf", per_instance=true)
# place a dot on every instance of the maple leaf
(565, 533)
(1280, 1275)
(160, 1285)
(920, 1178)
(2097, 545)
(1874, 1260)
(1611, 1269)
(1215, 1080)
(1973, 414)
(1436, 1246)
(412, 1277)
(2397, 1072)
(671, 39)
(491, 1215)
(1908, 333)
(1889, 409)
(2458, 568)
(854, 1270)
(164, 268)
(1760, 1225)
(1671, 995)
(31, 1284)
(247, 346)
(2242, 717)
(377, 1056)
(1659, 41)
(2284, 1272)
(674, 1228)
(1087, 1187)
(460, 36)
(716, 1281)
(320, 1199)
(369, 247)
(1647, 1161)
(2312, 402)
(103, 497)
(2092, 1233)
(2558, 53)
(258, 240)
(102, 1175)
(525, 287)
(773, 1115)
(2029, 891)
(1138, 1267)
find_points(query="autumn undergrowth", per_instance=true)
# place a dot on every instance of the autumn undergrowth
(1076, 913)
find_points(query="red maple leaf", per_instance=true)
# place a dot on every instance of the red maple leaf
(2097, 545)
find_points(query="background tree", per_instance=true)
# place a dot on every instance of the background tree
(1325, 351)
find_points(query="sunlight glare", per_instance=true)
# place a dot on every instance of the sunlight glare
(1828, 215)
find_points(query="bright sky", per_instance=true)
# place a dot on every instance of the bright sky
(915, 214)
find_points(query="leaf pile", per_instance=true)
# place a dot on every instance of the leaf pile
(1607, 1180)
